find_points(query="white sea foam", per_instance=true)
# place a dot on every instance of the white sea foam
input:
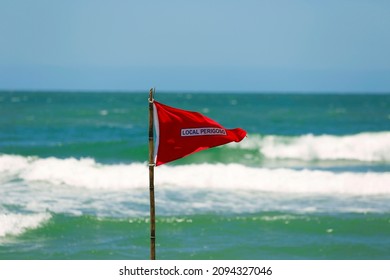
(234, 177)
(367, 147)
(15, 224)
(86, 173)
(77, 186)
(11, 166)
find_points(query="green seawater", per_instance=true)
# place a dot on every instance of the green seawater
(311, 180)
(267, 235)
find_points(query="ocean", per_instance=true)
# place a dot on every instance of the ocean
(311, 181)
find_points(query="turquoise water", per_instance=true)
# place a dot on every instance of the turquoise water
(311, 180)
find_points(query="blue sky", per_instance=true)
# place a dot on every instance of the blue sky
(202, 45)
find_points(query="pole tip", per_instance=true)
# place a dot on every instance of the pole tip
(151, 100)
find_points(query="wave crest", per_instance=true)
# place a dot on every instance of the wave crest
(366, 147)
(77, 186)
(15, 224)
(87, 173)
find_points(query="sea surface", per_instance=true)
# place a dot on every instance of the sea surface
(311, 180)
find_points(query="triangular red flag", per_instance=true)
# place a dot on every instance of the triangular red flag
(181, 133)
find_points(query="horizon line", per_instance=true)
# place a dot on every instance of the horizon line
(136, 91)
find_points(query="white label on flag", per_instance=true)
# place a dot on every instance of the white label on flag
(202, 131)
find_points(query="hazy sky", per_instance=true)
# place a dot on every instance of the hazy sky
(206, 45)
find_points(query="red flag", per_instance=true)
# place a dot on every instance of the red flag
(181, 133)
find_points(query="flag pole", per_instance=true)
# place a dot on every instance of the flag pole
(151, 180)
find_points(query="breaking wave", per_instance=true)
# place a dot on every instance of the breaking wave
(86, 173)
(365, 147)
(15, 224)
(83, 186)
